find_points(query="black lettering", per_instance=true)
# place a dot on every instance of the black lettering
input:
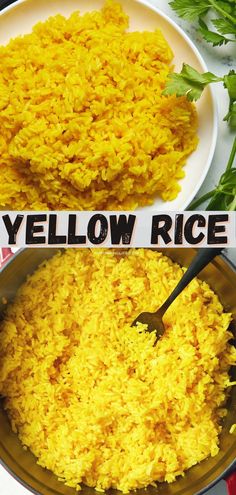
(72, 237)
(122, 228)
(189, 226)
(53, 238)
(214, 229)
(161, 230)
(92, 225)
(12, 228)
(32, 229)
(179, 221)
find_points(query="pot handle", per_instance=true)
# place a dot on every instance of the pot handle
(5, 254)
(231, 483)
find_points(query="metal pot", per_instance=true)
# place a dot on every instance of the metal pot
(221, 276)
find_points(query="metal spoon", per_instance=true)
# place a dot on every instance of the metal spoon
(154, 321)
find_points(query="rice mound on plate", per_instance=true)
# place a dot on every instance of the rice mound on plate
(92, 397)
(83, 122)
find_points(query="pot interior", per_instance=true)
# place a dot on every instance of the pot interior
(22, 464)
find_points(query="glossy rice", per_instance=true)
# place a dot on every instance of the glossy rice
(83, 122)
(92, 397)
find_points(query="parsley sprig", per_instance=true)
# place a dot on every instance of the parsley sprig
(191, 83)
(221, 15)
(223, 197)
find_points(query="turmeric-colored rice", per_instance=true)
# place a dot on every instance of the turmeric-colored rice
(92, 397)
(83, 122)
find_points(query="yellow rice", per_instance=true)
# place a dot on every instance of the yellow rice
(92, 397)
(83, 123)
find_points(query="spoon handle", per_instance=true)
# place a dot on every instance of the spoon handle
(202, 258)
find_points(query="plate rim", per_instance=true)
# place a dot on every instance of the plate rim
(215, 113)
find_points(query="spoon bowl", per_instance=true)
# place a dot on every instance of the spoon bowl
(153, 321)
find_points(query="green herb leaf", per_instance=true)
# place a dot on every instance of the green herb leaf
(190, 10)
(225, 23)
(189, 82)
(231, 116)
(193, 75)
(210, 36)
(223, 197)
(224, 26)
(230, 84)
(177, 85)
(227, 6)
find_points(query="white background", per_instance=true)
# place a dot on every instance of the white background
(219, 61)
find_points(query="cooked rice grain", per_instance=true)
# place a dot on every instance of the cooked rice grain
(92, 397)
(83, 123)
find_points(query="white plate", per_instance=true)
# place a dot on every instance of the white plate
(20, 17)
